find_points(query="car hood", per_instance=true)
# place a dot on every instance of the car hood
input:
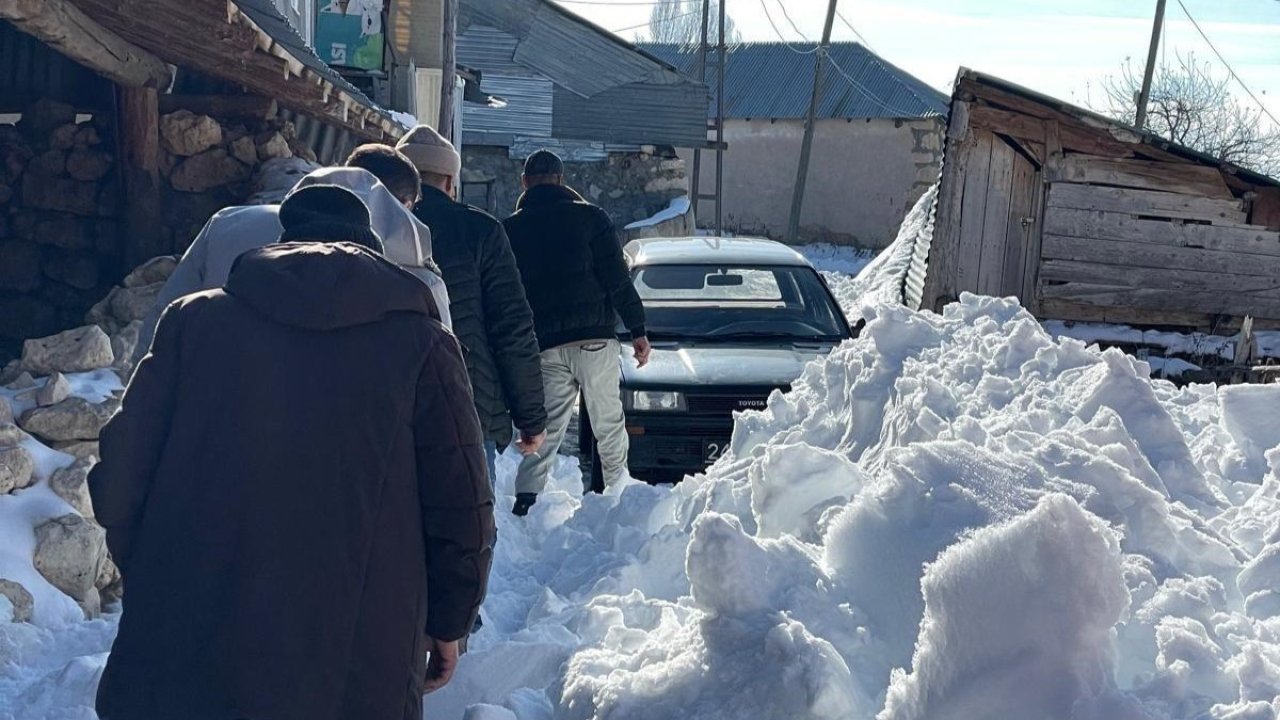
(719, 365)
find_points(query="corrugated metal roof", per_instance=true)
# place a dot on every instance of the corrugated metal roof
(645, 113)
(552, 96)
(775, 80)
(266, 15)
(557, 47)
(485, 48)
(528, 110)
(559, 34)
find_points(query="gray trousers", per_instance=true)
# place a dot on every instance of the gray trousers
(591, 368)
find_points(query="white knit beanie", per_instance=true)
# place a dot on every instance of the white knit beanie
(430, 152)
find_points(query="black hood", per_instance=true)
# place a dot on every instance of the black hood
(325, 286)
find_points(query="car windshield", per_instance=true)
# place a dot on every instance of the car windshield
(729, 302)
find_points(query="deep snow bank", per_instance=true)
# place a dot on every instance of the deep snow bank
(953, 516)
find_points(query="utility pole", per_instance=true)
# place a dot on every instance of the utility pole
(722, 55)
(448, 70)
(1140, 120)
(716, 126)
(806, 147)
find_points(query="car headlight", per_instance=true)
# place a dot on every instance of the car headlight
(654, 401)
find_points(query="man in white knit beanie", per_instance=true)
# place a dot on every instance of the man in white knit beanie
(491, 315)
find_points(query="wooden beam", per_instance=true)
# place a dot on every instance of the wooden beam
(138, 126)
(214, 37)
(1102, 227)
(239, 107)
(1070, 271)
(68, 30)
(1166, 257)
(1163, 300)
(1028, 128)
(1146, 202)
(1058, 309)
(1185, 178)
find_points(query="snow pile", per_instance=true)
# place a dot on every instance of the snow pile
(677, 208)
(952, 516)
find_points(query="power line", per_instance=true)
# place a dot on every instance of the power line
(857, 34)
(647, 24)
(1230, 70)
(786, 43)
(898, 112)
(795, 27)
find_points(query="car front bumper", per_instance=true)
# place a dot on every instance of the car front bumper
(675, 443)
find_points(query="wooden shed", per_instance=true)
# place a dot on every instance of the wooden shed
(1085, 218)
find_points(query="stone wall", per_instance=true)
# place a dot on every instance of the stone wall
(59, 232)
(209, 164)
(62, 245)
(629, 186)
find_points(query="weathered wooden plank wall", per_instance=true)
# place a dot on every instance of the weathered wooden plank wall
(1083, 221)
(1155, 252)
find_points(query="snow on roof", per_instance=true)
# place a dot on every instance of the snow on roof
(745, 251)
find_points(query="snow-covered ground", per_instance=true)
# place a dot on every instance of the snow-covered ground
(841, 260)
(951, 517)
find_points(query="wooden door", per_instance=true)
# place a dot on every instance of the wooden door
(998, 217)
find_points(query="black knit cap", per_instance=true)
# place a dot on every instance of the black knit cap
(543, 162)
(327, 213)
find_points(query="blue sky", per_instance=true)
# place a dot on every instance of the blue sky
(1061, 47)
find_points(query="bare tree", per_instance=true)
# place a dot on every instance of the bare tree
(680, 21)
(1192, 106)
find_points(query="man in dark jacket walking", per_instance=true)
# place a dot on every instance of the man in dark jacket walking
(578, 286)
(487, 301)
(294, 490)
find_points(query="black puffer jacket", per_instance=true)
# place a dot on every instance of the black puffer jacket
(574, 273)
(285, 549)
(491, 316)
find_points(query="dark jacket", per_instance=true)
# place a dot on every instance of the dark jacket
(295, 492)
(574, 273)
(490, 315)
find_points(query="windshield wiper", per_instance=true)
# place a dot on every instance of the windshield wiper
(762, 335)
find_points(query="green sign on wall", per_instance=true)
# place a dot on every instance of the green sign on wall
(349, 33)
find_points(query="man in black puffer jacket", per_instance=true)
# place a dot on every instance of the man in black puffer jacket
(577, 282)
(491, 316)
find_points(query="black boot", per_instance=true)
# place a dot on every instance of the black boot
(524, 501)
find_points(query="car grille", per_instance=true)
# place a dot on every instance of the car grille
(726, 403)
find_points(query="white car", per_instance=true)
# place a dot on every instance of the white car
(731, 320)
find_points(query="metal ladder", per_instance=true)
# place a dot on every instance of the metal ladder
(715, 126)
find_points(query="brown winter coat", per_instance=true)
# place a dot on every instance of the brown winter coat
(295, 492)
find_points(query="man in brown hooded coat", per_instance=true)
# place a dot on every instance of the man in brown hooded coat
(295, 491)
